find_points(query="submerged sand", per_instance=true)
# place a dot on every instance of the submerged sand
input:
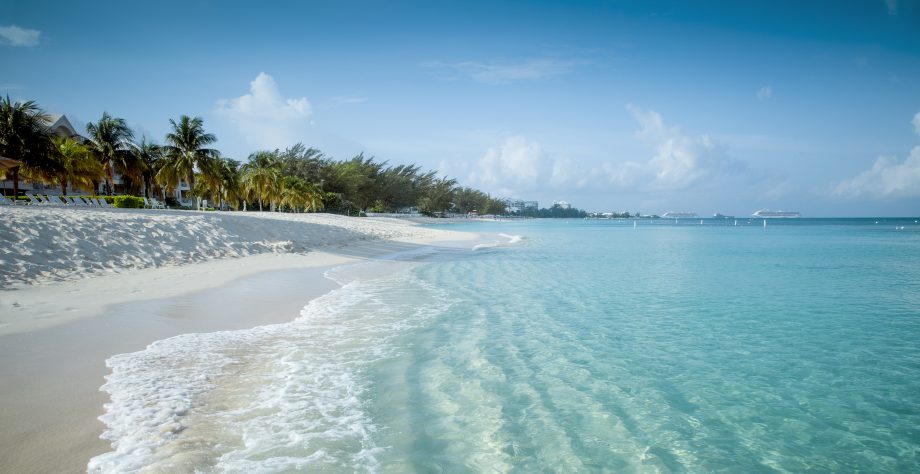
(66, 304)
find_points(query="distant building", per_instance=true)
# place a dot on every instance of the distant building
(562, 204)
(517, 206)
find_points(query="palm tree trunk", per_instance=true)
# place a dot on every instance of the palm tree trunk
(111, 180)
(15, 171)
(63, 187)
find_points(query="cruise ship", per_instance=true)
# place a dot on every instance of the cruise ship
(769, 213)
(679, 215)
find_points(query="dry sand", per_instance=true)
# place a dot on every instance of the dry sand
(78, 286)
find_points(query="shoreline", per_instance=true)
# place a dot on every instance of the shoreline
(56, 337)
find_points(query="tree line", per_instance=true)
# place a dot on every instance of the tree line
(297, 179)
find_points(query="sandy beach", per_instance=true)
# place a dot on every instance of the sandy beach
(78, 286)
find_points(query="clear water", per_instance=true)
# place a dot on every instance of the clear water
(587, 346)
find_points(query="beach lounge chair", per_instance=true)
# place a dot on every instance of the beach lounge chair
(154, 204)
(53, 200)
(4, 201)
(33, 200)
(102, 202)
(73, 201)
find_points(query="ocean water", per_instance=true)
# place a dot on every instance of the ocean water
(574, 346)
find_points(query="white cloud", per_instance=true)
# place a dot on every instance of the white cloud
(679, 160)
(521, 168)
(264, 117)
(513, 167)
(886, 178)
(764, 93)
(500, 72)
(17, 36)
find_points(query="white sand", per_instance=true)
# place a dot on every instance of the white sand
(41, 245)
(79, 285)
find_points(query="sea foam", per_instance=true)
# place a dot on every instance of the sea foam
(273, 398)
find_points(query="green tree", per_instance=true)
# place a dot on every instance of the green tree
(76, 165)
(186, 148)
(438, 197)
(149, 157)
(24, 136)
(261, 175)
(110, 139)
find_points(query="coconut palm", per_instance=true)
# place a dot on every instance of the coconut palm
(187, 148)
(110, 139)
(149, 157)
(261, 175)
(24, 136)
(76, 163)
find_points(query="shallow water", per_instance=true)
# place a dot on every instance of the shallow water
(585, 346)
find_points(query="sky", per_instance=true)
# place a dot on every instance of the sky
(648, 106)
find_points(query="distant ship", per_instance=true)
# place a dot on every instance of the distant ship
(769, 214)
(722, 216)
(679, 215)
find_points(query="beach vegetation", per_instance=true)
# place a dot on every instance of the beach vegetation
(110, 140)
(149, 162)
(260, 177)
(76, 165)
(187, 147)
(296, 179)
(24, 136)
(129, 202)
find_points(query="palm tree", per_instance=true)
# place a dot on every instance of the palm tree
(77, 164)
(24, 136)
(149, 156)
(187, 148)
(110, 138)
(261, 175)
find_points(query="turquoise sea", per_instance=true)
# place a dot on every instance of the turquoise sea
(583, 346)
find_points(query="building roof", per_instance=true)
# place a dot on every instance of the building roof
(60, 125)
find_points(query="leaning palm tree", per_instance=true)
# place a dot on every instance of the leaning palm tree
(24, 136)
(77, 165)
(261, 175)
(187, 148)
(110, 139)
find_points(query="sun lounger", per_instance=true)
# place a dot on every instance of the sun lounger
(53, 200)
(154, 204)
(102, 202)
(4, 201)
(33, 200)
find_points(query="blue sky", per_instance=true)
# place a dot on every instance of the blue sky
(642, 106)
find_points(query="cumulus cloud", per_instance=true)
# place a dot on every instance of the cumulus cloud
(888, 177)
(680, 160)
(516, 165)
(16, 36)
(500, 72)
(264, 117)
(764, 93)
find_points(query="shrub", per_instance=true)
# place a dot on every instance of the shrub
(132, 202)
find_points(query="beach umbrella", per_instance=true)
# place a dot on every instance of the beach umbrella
(7, 163)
